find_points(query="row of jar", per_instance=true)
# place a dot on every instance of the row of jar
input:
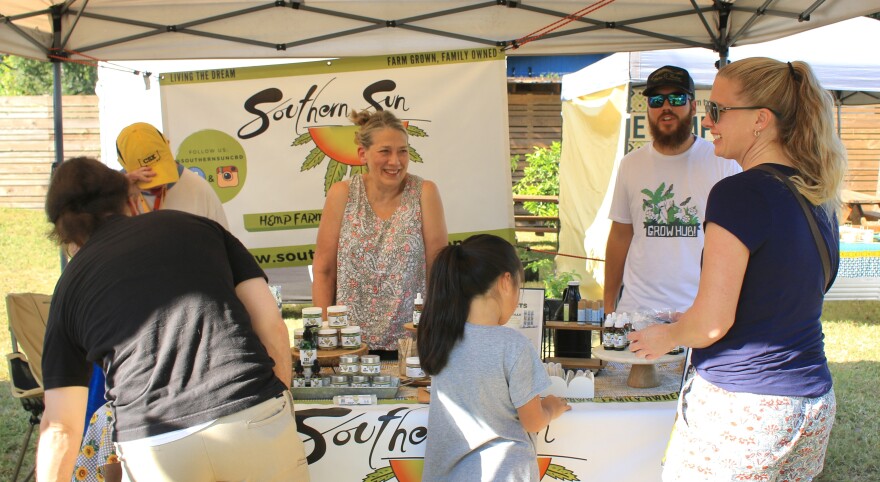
(337, 316)
(332, 338)
(344, 381)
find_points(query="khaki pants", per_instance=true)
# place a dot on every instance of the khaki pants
(257, 444)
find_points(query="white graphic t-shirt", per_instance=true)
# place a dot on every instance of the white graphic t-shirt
(664, 198)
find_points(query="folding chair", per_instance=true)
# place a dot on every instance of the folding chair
(28, 313)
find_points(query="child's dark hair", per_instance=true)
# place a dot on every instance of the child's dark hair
(83, 193)
(459, 274)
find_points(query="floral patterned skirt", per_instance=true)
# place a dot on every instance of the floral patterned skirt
(720, 435)
(97, 448)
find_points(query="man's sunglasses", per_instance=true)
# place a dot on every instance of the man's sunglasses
(713, 110)
(675, 100)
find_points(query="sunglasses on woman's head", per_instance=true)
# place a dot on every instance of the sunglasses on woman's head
(713, 110)
(675, 100)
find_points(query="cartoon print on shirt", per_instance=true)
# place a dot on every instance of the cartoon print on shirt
(666, 219)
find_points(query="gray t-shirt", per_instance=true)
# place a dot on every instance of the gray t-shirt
(474, 432)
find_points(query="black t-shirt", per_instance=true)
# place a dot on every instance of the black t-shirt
(152, 299)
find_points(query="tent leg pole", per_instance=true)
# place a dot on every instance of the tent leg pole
(57, 115)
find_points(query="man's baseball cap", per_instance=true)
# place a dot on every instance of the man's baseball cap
(142, 145)
(669, 76)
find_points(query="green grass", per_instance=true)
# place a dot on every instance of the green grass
(29, 262)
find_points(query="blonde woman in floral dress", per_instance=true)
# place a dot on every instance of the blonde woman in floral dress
(379, 233)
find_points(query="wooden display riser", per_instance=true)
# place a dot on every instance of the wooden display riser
(577, 363)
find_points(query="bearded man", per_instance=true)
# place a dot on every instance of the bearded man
(652, 258)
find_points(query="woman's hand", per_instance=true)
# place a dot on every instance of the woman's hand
(652, 342)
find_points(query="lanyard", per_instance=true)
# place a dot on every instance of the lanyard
(138, 205)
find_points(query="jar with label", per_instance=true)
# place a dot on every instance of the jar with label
(337, 316)
(414, 368)
(608, 333)
(349, 364)
(370, 365)
(360, 381)
(382, 381)
(327, 339)
(312, 316)
(350, 337)
(338, 381)
(298, 337)
(620, 340)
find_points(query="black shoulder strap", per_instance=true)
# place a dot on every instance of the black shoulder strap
(814, 228)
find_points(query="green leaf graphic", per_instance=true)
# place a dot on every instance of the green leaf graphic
(355, 170)
(559, 472)
(687, 200)
(313, 159)
(335, 173)
(414, 156)
(302, 139)
(415, 131)
(380, 475)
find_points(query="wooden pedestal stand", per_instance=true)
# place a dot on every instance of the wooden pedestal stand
(330, 358)
(643, 373)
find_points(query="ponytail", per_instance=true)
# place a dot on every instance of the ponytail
(459, 274)
(805, 122)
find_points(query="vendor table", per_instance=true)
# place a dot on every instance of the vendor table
(858, 277)
(619, 436)
(598, 442)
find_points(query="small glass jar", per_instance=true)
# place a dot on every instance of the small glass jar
(350, 337)
(349, 364)
(370, 365)
(298, 337)
(414, 368)
(360, 381)
(312, 316)
(381, 381)
(337, 316)
(339, 381)
(327, 339)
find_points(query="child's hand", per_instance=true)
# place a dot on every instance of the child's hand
(555, 406)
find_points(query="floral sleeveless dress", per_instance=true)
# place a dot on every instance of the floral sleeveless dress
(380, 264)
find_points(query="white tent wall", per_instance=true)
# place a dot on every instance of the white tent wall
(840, 54)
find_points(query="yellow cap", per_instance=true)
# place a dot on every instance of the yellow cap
(142, 145)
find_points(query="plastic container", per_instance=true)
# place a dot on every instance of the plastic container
(327, 339)
(350, 337)
(298, 337)
(418, 304)
(338, 381)
(570, 299)
(349, 364)
(337, 316)
(360, 381)
(312, 316)
(370, 365)
(381, 381)
(414, 368)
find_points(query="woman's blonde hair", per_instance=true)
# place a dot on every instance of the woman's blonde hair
(370, 122)
(805, 122)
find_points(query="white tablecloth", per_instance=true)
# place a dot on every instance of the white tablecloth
(596, 442)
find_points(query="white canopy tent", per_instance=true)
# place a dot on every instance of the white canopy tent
(168, 29)
(248, 29)
(840, 54)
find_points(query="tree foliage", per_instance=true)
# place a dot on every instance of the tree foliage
(24, 76)
(541, 177)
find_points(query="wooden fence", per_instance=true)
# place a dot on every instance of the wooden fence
(27, 143)
(534, 114)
